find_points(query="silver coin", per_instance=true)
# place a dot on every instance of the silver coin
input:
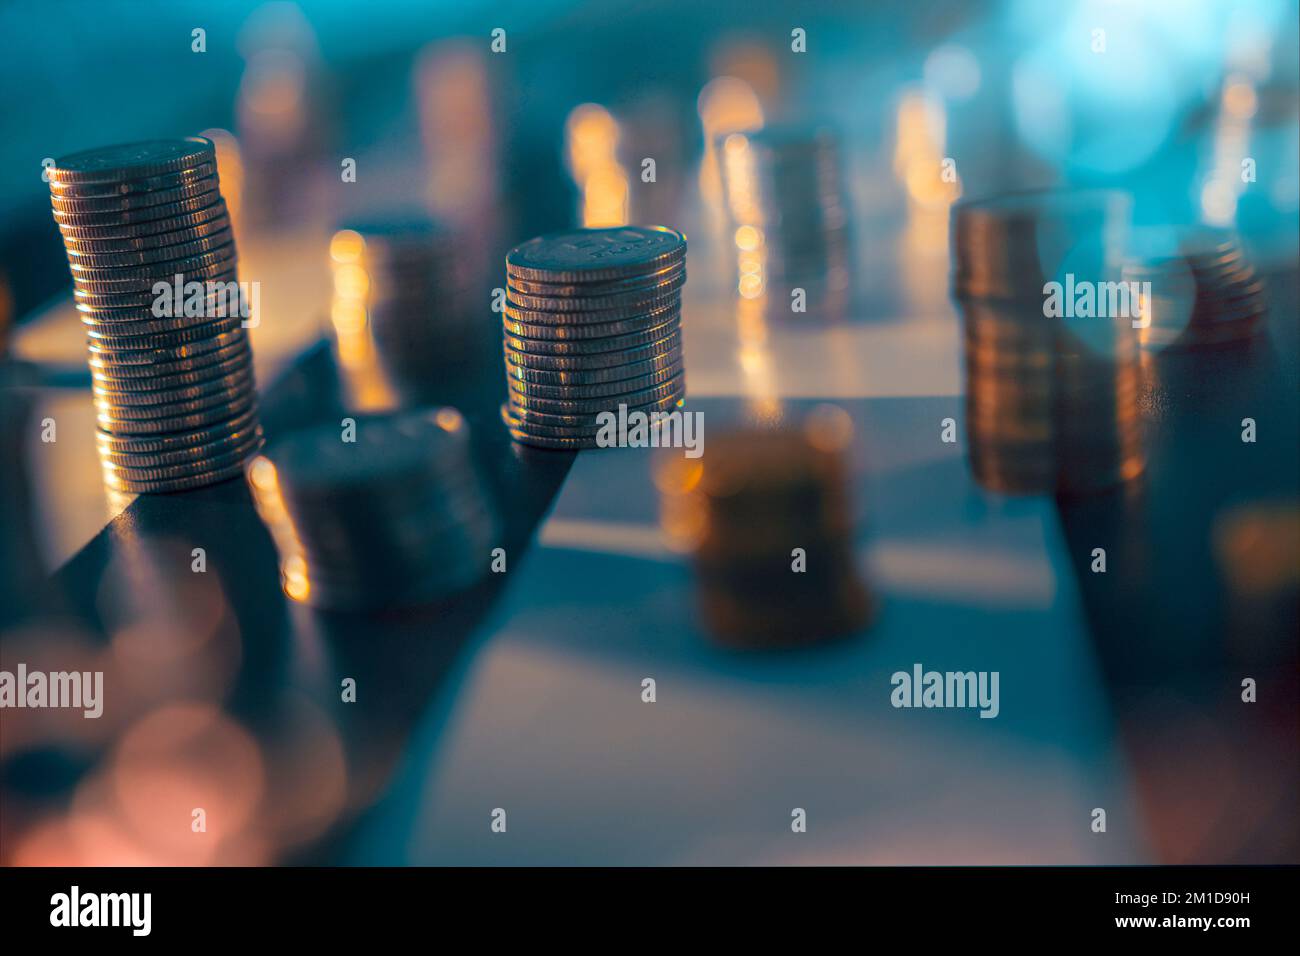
(555, 444)
(183, 483)
(220, 287)
(221, 431)
(137, 320)
(157, 382)
(103, 189)
(143, 243)
(124, 470)
(606, 287)
(592, 346)
(517, 427)
(579, 332)
(596, 254)
(111, 408)
(141, 231)
(120, 399)
(217, 453)
(113, 339)
(668, 344)
(675, 385)
(78, 206)
(89, 276)
(130, 217)
(525, 417)
(595, 317)
(640, 299)
(168, 355)
(143, 318)
(594, 376)
(190, 421)
(133, 160)
(595, 391)
(191, 246)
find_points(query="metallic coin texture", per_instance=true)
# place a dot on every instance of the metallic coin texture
(173, 383)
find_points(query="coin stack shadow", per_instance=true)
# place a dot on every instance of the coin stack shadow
(789, 211)
(396, 518)
(1052, 404)
(592, 322)
(175, 398)
(1203, 289)
(410, 277)
(743, 509)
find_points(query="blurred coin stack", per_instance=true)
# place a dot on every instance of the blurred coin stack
(396, 518)
(1051, 401)
(173, 385)
(406, 280)
(789, 209)
(1203, 289)
(592, 322)
(742, 511)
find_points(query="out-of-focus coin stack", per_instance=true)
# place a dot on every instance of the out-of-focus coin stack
(741, 511)
(396, 518)
(173, 387)
(1203, 289)
(1051, 401)
(407, 280)
(592, 321)
(789, 210)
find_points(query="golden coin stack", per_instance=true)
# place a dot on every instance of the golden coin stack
(767, 518)
(1051, 397)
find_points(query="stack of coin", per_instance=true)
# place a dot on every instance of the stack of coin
(789, 210)
(396, 517)
(153, 260)
(409, 276)
(1051, 397)
(1010, 357)
(1203, 291)
(767, 518)
(592, 322)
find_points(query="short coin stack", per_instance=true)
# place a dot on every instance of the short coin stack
(397, 517)
(173, 373)
(1051, 401)
(767, 518)
(1203, 290)
(592, 321)
(409, 276)
(789, 208)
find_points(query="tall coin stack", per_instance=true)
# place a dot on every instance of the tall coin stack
(789, 208)
(173, 374)
(592, 322)
(742, 511)
(1203, 289)
(396, 518)
(1051, 400)
(410, 278)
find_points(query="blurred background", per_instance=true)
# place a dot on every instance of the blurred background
(1121, 692)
